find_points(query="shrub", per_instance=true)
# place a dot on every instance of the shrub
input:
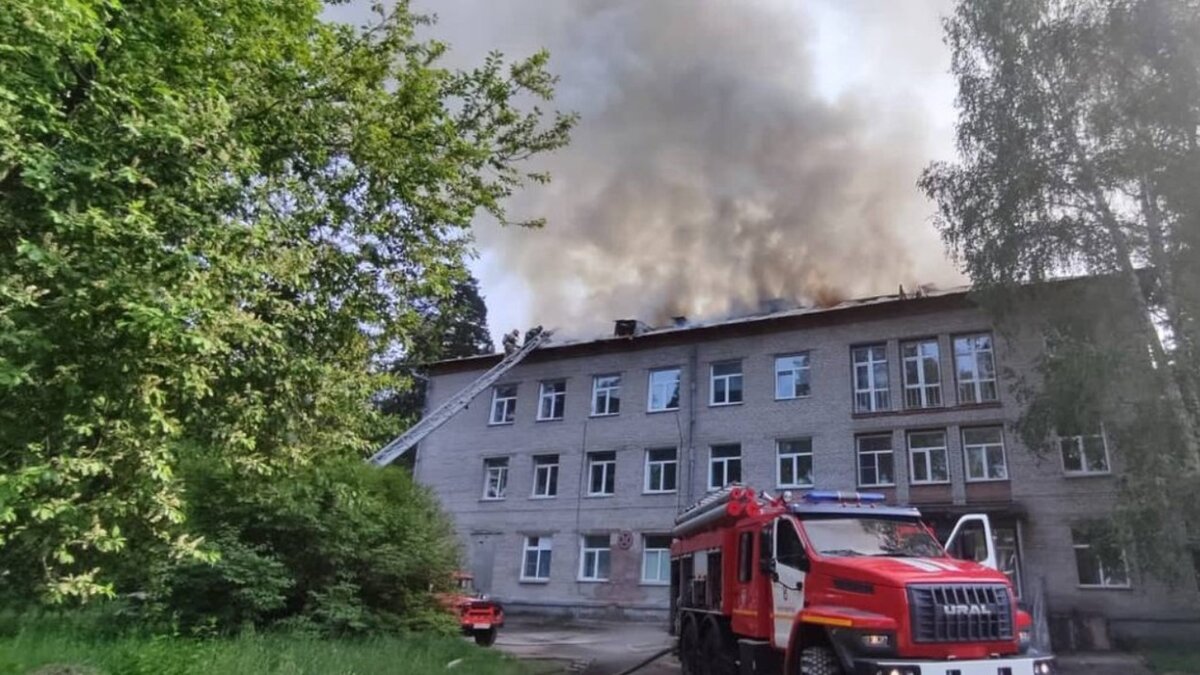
(337, 547)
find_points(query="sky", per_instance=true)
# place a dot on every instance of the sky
(727, 153)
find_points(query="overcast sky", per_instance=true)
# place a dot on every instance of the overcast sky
(728, 152)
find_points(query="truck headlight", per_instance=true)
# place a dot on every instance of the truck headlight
(1024, 638)
(876, 640)
(1044, 667)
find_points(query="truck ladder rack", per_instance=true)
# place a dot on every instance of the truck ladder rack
(442, 414)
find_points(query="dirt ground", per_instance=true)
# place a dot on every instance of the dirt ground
(607, 648)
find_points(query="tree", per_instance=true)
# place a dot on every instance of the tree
(216, 220)
(1077, 139)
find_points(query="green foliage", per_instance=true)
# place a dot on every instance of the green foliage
(338, 548)
(1079, 146)
(218, 220)
(51, 641)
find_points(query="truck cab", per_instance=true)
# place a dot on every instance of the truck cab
(841, 584)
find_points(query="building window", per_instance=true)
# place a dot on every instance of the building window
(983, 449)
(795, 463)
(927, 457)
(602, 473)
(791, 376)
(1097, 567)
(545, 476)
(536, 563)
(656, 559)
(495, 477)
(606, 395)
(726, 383)
(504, 404)
(871, 379)
(875, 462)
(1082, 455)
(664, 390)
(593, 559)
(975, 363)
(552, 400)
(922, 374)
(661, 471)
(724, 465)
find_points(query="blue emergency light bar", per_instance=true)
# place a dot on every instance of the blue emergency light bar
(818, 496)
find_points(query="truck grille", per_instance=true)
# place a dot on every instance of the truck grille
(960, 612)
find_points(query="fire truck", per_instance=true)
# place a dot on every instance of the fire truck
(478, 615)
(833, 583)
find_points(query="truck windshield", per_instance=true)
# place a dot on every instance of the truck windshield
(871, 537)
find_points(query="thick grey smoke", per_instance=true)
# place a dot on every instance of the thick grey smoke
(712, 168)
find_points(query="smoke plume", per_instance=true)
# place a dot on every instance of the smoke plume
(713, 168)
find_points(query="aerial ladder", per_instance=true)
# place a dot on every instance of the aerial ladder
(451, 406)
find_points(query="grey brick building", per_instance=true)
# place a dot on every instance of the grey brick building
(564, 480)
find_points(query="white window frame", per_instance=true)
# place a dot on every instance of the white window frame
(662, 464)
(559, 397)
(509, 415)
(726, 381)
(878, 395)
(927, 394)
(1087, 546)
(497, 466)
(608, 470)
(585, 550)
(975, 382)
(859, 452)
(794, 458)
(725, 463)
(544, 545)
(1083, 456)
(795, 372)
(966, 450)
(927, 451)
(552, 470)
(610, 392)
(660, 554)
(652, 387)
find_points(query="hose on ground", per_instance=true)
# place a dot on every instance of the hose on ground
(647, 661)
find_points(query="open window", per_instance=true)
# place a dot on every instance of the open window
(972, 540)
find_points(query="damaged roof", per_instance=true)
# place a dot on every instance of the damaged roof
(879, 306)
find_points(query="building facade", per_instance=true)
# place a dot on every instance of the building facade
(564, 479)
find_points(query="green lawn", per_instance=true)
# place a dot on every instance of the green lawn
(60, 653)
(1174, 660)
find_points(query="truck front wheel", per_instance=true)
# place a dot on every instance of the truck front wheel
(689, 646)
(819, 660)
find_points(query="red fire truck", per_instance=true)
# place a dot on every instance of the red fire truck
(833, 583)
(478, 615)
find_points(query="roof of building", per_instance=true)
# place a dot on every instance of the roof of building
(925, 300)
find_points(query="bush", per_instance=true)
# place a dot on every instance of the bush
(338, 548)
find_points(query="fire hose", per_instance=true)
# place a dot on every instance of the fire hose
(647, 661)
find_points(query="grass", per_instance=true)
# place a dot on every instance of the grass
(62, 653)
(1174, 659)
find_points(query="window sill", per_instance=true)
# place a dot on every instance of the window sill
(656, 584)
(662, 410)
(1094, 587)
(1087, 474)
(492, 499)
(541, 582)
(794, 487)
(877, 486)
(603, 495)
(502, 424)
(659, 492)
(549, 419)
(724, 405)
(793, 398)
(597, 415)
(867, 414)
(924, 483)
(542, 497)
(592, 581)
(973, 481)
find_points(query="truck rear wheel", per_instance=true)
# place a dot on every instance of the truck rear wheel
(689, 646)
(819, 660)
(719, 656)
(486, 638)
